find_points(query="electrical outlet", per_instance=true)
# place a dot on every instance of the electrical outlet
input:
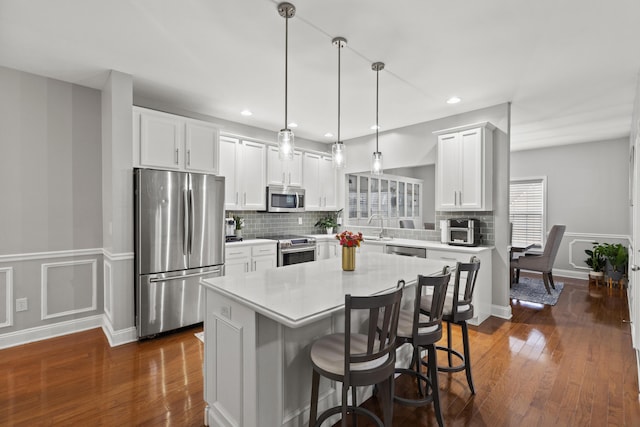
(299, 220)
(22, 304)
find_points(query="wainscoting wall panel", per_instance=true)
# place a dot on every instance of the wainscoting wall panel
(6, 297)
(69, 287)
(108, 290)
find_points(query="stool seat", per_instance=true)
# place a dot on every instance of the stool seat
(327, 353)
(356, 358)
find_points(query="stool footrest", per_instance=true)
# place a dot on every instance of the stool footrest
(414, 402)
(456, 353)
(351, 410)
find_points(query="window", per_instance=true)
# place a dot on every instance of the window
(527, 210)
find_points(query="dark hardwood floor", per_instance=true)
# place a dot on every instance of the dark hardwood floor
(567, 365)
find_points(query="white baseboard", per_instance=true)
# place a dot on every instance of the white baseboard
(503, 312)
(25, 336)
(119, 337)
(573, 274)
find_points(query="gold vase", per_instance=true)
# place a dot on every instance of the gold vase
(348, 258)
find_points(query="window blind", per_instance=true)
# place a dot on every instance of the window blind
(526, 211)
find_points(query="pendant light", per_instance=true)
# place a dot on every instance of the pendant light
(376, 160)
(338, 153)
(285, 136)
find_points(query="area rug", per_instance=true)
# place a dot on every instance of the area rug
(200, 335)
(533, 290)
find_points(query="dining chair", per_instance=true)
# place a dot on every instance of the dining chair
(457, 310)
(359, 359)
(423, 331)
(541, 263)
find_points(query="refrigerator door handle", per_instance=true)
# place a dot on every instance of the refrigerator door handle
(185, 276)
(192, 220)
(185, 222)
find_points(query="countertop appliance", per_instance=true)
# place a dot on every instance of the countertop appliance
(179, 238)
(285, 199)
(464, 232)
(294, 249)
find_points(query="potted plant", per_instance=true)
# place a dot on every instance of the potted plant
(596, 260)
(617, 257)
(239, 224)
(329, 222)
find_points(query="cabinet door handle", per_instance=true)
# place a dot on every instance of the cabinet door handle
(460, 197)
(236, 197)
(283, 181)
(245, 199)
(325, 201)
(289, 178)
(246, 267)
(254, 265)
(177, 155)
(320, 201)
(188, 157)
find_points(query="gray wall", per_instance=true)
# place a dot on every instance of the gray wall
(587, 190)
(50, 181)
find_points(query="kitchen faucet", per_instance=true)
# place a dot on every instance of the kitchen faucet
(381, 223)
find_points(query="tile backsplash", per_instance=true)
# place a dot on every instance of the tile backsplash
(265, 223)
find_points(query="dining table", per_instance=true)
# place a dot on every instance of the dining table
(516, 250)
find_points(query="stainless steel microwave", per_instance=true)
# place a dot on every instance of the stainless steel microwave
(285, 199)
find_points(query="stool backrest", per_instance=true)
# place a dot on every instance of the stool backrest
(471, 269)
(427, 327)
(381, 335)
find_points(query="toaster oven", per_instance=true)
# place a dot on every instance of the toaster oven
(463, 232)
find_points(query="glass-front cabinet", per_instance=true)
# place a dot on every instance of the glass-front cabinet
(392, 197)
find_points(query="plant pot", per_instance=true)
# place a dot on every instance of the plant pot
(238, 233)
(329, 230)
(348, 258)
(596, 274)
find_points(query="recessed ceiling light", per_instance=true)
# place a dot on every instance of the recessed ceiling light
(293, 125)
(374, 127)
(246, 112)
(328, 135)
(453, 100)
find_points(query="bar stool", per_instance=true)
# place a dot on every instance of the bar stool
(359, 359)
(423, 331)
(457, 310)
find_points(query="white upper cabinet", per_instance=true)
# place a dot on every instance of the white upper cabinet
(319, 179)
(201, 145)
(243, 164)
(284, 172)
(464, 171)
(167, 141)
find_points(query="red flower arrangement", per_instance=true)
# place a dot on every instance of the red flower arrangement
(349, 239)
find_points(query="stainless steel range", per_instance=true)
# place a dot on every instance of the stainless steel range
(294, 249)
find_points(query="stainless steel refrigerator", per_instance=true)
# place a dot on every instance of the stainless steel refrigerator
(179, 239)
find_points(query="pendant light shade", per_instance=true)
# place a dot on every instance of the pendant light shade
(286, 142)
(376, 159)
(338, 153)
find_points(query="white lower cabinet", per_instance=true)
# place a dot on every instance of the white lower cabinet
(250, 257)
(263, 256)
(328, 249)
(372, 247)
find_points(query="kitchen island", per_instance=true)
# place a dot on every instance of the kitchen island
(259, 327)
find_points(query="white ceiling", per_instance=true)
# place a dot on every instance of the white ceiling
(569, 67)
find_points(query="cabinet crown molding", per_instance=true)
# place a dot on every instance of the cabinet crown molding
(486, 125)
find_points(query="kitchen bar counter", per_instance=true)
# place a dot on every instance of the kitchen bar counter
(259, 326)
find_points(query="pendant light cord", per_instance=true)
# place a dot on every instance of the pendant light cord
(286, 68)
(339, 48)
(377, 126)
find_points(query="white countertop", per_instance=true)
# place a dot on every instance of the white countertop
(299, 294)
(427, 244)
(251, 242)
